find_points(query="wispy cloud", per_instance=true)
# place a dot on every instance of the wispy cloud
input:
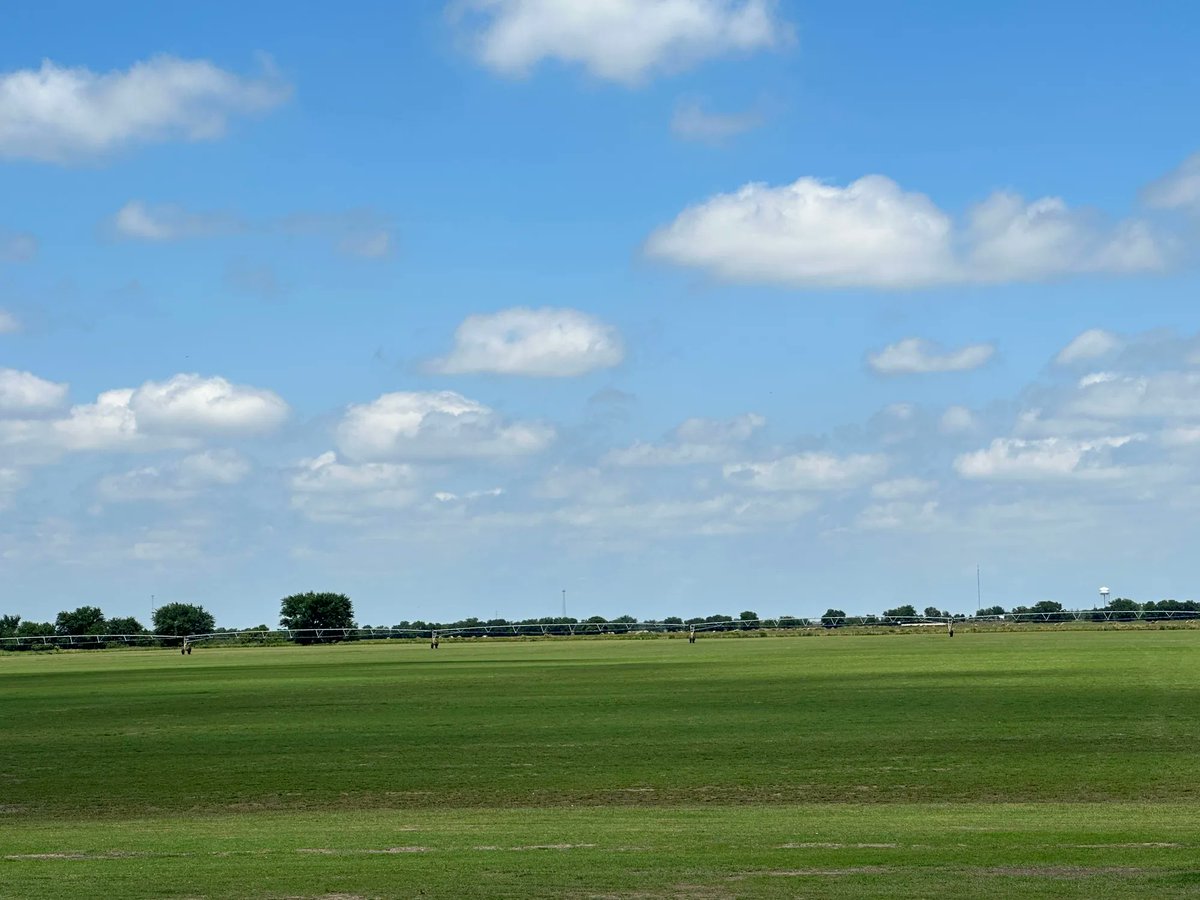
(68, 115)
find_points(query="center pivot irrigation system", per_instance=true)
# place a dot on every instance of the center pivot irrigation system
(582, 629)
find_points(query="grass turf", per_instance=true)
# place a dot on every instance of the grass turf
(1022, 764)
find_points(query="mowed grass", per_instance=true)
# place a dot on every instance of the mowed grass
(1018, 764)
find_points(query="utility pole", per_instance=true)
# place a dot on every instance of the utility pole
(564, 613)
(978, 589)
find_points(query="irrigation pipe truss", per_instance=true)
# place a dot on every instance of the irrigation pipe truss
(579, 629)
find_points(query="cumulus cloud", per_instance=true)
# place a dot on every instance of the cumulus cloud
(434, 425)
(24, 392)
(808, 472)
(107, 424)
(1047, 458)
(66, 115)
(157, 415)
(324, 488)
(191, 404)
(871, 233)
(1091, 344)
(1179, 189)
(536, 342)
(181, 480)
(1109, 396)
(16, 246)
(694, 441)
(811, 233)
(1011, 239)
(692, 122)
(9, 324)
(918, 356)
(618, 40)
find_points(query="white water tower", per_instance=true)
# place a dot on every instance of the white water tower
(1104, 596)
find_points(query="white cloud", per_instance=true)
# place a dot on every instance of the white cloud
(157, 415)
(918, 356)
(810, 233)
(1108, 396)
(1179, 189)
(17, 246)
(902, 488)
(957, 420)
(9, 324)
(873, 234)
(537, 342)
(1091, 344)
(213, 467)
(451, 497)
(107, 424)
(190, 404)
(1048, 458)
(178, 481)
(619, 40)
(434, 425)
(328, 490)
(692, 122)
(808, 472)
(64, 115)
(137, 221)
(694, 441)
(23, 392)
(1014, 240)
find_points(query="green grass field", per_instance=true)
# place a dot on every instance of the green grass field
(1017, 765)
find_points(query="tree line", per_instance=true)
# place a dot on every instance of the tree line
(1119, 610)
(314, 613)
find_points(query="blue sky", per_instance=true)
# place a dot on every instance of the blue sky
(685, 306)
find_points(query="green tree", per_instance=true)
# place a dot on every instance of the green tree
(907, 610)
(180, 619)
(35, 629)
(316, 610)
(9, 625)
(125, 625)
(991, 611)
(833, 618)
(1124, 609)
(932, 612)
(84, 620)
